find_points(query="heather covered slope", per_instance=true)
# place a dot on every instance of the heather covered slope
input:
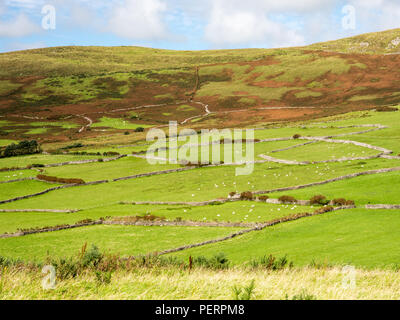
(80, 92)
(386, 42)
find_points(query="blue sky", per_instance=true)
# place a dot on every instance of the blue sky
(188, 24)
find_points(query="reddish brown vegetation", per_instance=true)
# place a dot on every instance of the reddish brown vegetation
(319, 199)
(247, 195)
(324, 210)
(287, 199)
(59, 180)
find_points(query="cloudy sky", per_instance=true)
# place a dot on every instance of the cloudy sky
(189, 24)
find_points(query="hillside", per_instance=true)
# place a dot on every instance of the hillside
(73, 89)
(386, 42)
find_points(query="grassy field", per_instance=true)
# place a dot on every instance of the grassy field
(123, 240)
(298, 95)
(355, 237)
(173, 283)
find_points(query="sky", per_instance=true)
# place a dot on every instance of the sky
(189, 24)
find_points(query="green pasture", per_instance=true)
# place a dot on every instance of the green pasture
(124, 167)
(204, 184)
(372, 189)
(123, 240)
(356, 237)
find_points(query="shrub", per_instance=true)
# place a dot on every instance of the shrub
(37, 165)
(342, 202)
(271, 263)
(59, 180)
(139, 129)
(324, 210)
(303, 295)
(110, 154)
(243, 293)
(297, 136)
(339, 202)
(127, 133)
(218, 262)
(92, 257)
(23, 148)
(66, 268)
(232, 194)
(386, 109)
(319, 199)
(247, 195)
(73, 146)
(103, 277)
(287, 199)
(263, 198)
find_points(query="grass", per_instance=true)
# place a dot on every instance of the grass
(173, 284)
(24, 161)
(248, 212)
(4, 142)
(36, 131)
(356, 237)
(6, 87)
(107, 170)
(331, 151)
(378, 189)
(13, 175)
(158, 188)
(61, 61)
(117, 123)
(17, 189)
(377, 43)
(124, 240)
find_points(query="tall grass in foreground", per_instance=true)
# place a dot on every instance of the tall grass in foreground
(92, 274)
(175, 283)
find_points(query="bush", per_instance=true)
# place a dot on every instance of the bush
(319, 199)
(243, 293)
(232, 194)
(342, 202)
(23, 148)
(139, 129)
(303, 295)
(297, 136)
(127, 133)
(37, 165)
(217, 262)
(247, 195)
(92, 257)
(66, 268)
(339, 202)
(263, 198)
(59, 180)
(287, 199)
(110, 154)
(271, 263)
(103, 277)
(73, 146)
(386, 109)
(324, 210)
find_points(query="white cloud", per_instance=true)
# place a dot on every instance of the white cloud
(231, 24)
(20, 26)
(377, 14)
(139, 20)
